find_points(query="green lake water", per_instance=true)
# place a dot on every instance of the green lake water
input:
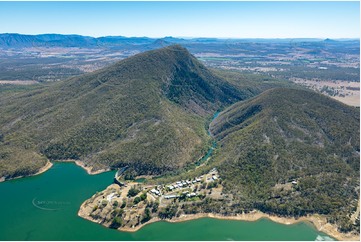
(45, 207)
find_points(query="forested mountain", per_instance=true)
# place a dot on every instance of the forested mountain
(281, 150)
(147, 111)
(291, 152)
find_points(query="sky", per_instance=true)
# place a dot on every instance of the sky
(184, 19)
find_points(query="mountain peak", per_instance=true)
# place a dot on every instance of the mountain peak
(177, 47)
(111, 117)
(179, 75)
(175, 50)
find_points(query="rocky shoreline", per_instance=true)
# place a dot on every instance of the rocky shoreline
(48, 165)
(88, 169)
(317, 221)
(43, 169)
(91, 210)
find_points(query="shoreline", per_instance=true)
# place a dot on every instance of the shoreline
(317, 221)
(88, 169)
(49, 164)
(43, 169)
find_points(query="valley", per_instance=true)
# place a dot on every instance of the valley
(274, 149)
(180, 121)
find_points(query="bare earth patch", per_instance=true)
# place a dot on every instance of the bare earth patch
(350, 100)
(343, 91)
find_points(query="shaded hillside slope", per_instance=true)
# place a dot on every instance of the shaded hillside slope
(286, 135)
(147, 111)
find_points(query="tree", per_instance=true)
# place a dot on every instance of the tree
(143, 196)
(168, 212)
(123, 204)
(137, 200)
(146, 216)
(117, 212)
(212, 185)
(116, 223)
(155, 207)
(115, 204)
(103, 204)
(95, 208)
(132, 192)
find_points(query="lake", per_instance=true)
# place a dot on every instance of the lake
(45, 207)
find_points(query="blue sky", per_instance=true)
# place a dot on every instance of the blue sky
(184, 19)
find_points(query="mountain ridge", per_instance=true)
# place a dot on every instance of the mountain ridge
(291, 152)
(147, 111)
(286, 151)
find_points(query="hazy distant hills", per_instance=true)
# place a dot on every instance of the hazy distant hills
(147, 111)
(13, 40)
(58, 40)
(286, 135)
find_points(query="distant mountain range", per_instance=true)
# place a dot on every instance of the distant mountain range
(13, 40)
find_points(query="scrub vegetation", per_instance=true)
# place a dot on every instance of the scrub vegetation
(281, 150)
(148, 111)
(291, 152)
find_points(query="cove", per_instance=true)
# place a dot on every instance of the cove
(45, 207)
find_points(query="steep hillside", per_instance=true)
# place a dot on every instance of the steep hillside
(284, 136)
(147, 111)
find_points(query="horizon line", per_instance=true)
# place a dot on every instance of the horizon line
(187, 37)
